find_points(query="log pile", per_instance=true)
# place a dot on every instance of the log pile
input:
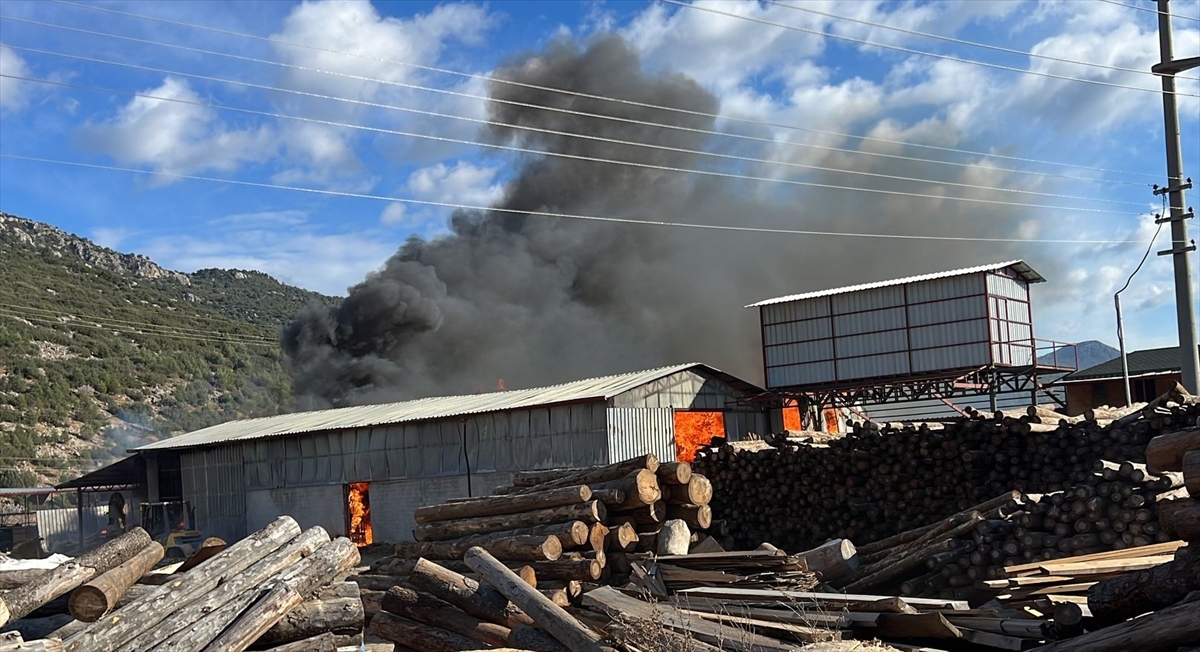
(570, 525)
(883, 479)
(277, 587)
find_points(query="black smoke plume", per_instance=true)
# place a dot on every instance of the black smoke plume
(538, 300)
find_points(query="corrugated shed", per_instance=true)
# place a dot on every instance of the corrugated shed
(1022, 270)
(638, 431)
(425, 409)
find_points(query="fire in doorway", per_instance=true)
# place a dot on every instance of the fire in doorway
(358, 507)
(694, 430)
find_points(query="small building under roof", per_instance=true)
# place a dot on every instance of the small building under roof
(242, 474)
(1152, 373)
(930, 336)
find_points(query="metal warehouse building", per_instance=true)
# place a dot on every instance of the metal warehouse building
(241, 475)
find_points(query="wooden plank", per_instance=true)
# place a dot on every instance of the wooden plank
(802, 632)
(610, 601)
(781, 614)
(1152, 550)
(998, 641)
(1106, 566)
(926, 625)
(832, 598)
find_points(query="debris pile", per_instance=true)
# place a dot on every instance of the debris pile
(277, 587)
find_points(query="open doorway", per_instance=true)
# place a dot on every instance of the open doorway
(695, 430)
(358, 513)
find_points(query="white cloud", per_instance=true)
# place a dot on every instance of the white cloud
(14, 93)
(394, 214)
(327, 263)
(110, 237)
(176, 137)
(463, 183)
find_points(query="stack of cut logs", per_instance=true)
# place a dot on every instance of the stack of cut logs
(879, 480)
(569, 525)
(280, 588)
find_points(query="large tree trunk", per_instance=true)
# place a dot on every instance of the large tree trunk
(1136, 593)
(127, 622)
(595, 475)
(833, 559)
(698, 517)
(674, 538)
(589, 512)
(478, 600)
(21, 601)
(677, 473)
(1165, 452)
(640, 488)
(431, 611)
(338, 608)
(100, 595)
(329, 564)
(186, 617)
(500, 505)
(546, 614)
(588, 570)
(208, 549)
(419, 636)
(1165, 630)
(325, 642)
(522, 548)
(697, 491)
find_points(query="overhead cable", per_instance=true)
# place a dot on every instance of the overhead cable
(935, 55)
(958, 41)
(561, 215)
(550, 89)
(617, 141)
(1153, 10)
(564, 155)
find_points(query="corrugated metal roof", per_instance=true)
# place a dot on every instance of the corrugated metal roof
(1141, 363)
(1019, 266)
(438, 407)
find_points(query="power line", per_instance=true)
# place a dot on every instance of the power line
(618, 141)
(550, 89)
(576, 157)
(923, 53)
(1151, 10)
(958, 41)
(147, 325)
(541, 213)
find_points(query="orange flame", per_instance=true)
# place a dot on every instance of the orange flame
(695, 430)
(792, 419)
(831, 420)
(359, 503)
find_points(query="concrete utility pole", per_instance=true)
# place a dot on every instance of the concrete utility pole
(1185, 300)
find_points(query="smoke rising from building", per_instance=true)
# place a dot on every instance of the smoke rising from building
(537, 300)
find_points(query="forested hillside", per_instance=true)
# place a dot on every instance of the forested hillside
(100, 350)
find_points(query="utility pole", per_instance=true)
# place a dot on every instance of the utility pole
(1185, 300)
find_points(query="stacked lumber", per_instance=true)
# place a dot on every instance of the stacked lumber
(277, 587)
(883, 479)
(567, 525)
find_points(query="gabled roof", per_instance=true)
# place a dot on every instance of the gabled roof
(437, 407)
(1141, 363)
(1026, 273)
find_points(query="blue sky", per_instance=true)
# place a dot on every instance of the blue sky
(766, 77)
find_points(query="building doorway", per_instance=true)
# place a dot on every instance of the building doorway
(695, 430)
(358, 513)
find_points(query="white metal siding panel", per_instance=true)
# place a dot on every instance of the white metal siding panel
(964, 332)
(797, 331)
(946, 288)
(214, 484)
(798, 353)
(940, 312)
(868, 322)
(1018, 311)
(1009, 288)
(872, 343)
(793, 310)
(868, 300)
(638, 431)
(950, 357)
(59, 528)
(884, 364)
(801, 374)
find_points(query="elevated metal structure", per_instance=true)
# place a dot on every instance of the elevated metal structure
(966, 332)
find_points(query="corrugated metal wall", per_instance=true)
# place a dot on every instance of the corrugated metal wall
(560, 435)
(690, 390)
(59, 528)
(214, 484)
(639, 431)
(393, 502)
(1011, 321)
